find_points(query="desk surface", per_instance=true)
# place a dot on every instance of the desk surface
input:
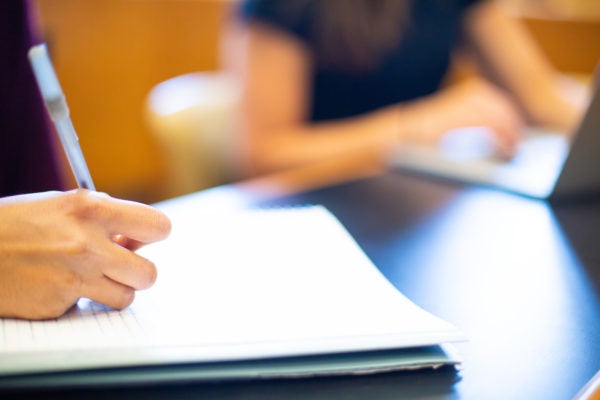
(519, 277)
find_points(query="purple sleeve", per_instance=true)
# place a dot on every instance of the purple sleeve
(27, 148)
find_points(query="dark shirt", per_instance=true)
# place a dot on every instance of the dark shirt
(414, 68)
(27, 162)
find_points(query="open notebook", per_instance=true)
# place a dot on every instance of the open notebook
(244, 294)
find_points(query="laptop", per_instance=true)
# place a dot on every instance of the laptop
(547, 165)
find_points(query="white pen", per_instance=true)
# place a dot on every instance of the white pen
(59, 113)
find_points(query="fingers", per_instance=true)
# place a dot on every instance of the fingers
(136, 221)
(114, 271)
(122, 273)
(477, 102)
(128, 243)
(507, 129)
(116, 274)
(505, 119)
(128, 268)
(112, 274)
(509, 134)
(110, 293)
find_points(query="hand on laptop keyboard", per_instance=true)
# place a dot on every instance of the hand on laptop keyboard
(475, 102)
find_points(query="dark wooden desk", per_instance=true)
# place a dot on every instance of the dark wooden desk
(521, 278)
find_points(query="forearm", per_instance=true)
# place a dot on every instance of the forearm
(474, 102)
(366, 136)
(509, 53)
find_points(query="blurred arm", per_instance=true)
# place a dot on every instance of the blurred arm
(274, 69)
(510, 55)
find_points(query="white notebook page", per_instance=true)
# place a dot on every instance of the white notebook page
(234, 285)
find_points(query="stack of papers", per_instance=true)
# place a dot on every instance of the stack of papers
(243, 294)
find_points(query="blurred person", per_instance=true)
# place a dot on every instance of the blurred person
(351, 79)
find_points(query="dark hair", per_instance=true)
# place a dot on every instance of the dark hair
(353, 34)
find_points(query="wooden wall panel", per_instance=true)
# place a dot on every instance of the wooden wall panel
(572, 45)
(108, 55)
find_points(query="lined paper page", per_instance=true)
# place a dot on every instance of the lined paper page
(238, 285)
